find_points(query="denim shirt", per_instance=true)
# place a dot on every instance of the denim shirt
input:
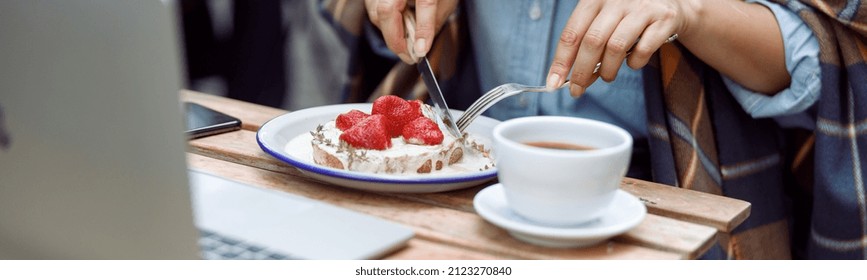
(802, 61)
(511, 39)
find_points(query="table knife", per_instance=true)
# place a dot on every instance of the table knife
(430, 81)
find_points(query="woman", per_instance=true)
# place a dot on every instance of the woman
(698, 111)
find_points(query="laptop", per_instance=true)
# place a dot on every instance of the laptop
(92, 152)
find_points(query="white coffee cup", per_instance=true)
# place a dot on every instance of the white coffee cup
(560, 187)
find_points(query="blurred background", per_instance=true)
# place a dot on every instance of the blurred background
(280, 53)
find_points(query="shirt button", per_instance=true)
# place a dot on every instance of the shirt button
(535, 11)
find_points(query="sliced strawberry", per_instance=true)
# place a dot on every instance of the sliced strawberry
(416, 106)
(422, 131)
(398, 111)
(387, 103)
(348, 119)
(369, 133)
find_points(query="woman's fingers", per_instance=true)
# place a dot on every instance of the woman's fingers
(409, 41)
(604, 33)
(654, 36)
(620, 44)
(370, 6)
(592, 46)
(425, 25)
(389, 15)
(570, 39)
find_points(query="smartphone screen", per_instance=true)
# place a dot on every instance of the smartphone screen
(203, 121)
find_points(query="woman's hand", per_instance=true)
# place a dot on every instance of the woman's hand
(605, 30)
(430, 15)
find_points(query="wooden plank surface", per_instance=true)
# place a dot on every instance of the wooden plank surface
(443, 226)
(681, 223)
(718, 212)
(420, 249)
(669, 234)
(690, 240)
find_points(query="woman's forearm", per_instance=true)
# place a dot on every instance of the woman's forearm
(741, 40)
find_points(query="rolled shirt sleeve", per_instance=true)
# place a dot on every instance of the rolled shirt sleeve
(788, 107)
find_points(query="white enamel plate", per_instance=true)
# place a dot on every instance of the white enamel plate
(274, 135)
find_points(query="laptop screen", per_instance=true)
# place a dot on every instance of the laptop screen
(92, 161)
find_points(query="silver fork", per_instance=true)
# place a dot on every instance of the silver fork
(495, 95)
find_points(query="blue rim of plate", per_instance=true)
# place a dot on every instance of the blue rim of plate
(358, 176)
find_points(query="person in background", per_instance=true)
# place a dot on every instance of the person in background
(248, 57)
(755, 100)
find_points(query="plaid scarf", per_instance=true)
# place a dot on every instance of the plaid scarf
(700, 137)
(839, 225)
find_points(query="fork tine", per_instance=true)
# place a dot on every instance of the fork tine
(495, 95)
(482, 103)
(472, 109)
(486, 98)
(477, 107)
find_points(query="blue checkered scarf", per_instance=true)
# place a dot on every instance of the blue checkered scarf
(806, 189)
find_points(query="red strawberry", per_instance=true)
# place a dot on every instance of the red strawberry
(398, 111)
(416, 106)
(348, 119)
(387, 103)
(369, 133)
(422, 131)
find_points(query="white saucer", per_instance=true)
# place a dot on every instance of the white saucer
(626, 213)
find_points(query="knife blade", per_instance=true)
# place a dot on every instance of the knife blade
(433, 88)
(430, 81)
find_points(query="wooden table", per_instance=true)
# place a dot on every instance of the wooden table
(681, 224)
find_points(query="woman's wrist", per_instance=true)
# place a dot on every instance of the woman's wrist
(693, 11)
(740, 40)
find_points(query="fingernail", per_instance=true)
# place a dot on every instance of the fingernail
(553, 81)
(576, 90)
(419, 47)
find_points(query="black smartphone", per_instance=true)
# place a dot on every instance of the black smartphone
(203, 121)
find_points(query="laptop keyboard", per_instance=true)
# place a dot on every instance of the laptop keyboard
(219, 247)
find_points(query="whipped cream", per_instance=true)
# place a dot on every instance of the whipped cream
(401, 158)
